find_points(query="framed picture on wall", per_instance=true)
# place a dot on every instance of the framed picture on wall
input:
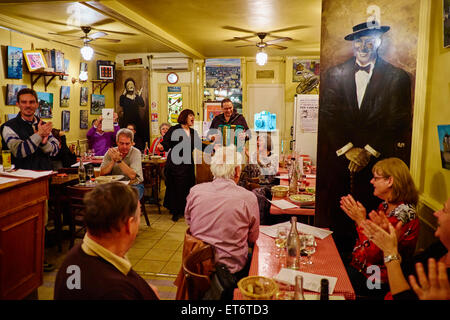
(83, 119)
(97, 103)
(11, 93)
(105, 70)
(446, 23)
(45, 105)
(84, 96)
(444, 144)
(15, 60)
(212, 109)
(65, 96)
(35, 59)
(65, 120)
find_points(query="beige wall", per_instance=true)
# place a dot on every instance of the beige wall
(11, 38)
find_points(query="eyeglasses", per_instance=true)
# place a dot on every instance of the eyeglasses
(378, 178)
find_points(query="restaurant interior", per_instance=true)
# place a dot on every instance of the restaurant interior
(267, 56)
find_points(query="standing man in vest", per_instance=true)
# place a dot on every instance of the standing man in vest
(29, 139)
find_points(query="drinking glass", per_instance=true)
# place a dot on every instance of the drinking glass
(307, 247)
(90, 173)
(281, 239)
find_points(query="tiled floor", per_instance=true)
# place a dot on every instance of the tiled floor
(156, 254)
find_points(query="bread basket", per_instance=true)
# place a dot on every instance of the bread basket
(257, 288)
(279, 191)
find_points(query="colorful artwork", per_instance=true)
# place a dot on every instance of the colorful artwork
(11, 93)
(106, 72)
(66, 69)
(65, 120)
(45, 105)
(307, 73)
(174, 106)
(223, 73)
(35, 60)
(15, 60)
(97, 103)
(444, 143)
(83, 119)
(65, 96)
(84, 91)
(212, 109)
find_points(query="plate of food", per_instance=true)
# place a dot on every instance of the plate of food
(303, 199)
(111, 178)
(98, 157)
(155, 157)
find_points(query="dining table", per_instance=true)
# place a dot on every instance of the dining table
(326, 261)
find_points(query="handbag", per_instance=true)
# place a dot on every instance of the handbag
(223, 283)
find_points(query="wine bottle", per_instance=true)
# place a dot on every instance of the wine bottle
(293, 246)
(81, 172)
(298, 293)
(78, 149)
(293, 182)
(324, 294)
(146, 149)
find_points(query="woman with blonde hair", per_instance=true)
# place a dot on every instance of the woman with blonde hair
(394, 185)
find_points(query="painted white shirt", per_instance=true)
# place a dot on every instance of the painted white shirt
(362, 79)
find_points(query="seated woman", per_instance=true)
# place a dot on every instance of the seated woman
(66, 156)
(156, 148)
(392, 183)
(434, 289)
(264, 158)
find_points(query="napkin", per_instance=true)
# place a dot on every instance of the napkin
(283, 204)
(271, 231)
(27, 173)
(311, 281)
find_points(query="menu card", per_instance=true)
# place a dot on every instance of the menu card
(27, 173)
(311, 281)
(283, 204)
(271, 231)
(6, 180)
(108, 119)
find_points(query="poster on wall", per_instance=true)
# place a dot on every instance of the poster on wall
(446, 23)
(65, 96)
(45, 108)
(308, 112)
(174, 107)
(306, 72)
(84, 93)
(132, 96)
(11, 93)
(97, 103)
(444, 143)
(15, 60)
(84, 119)
(367, 71)
(212, 109)
(223, 73)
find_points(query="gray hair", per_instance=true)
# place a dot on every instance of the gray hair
(125, 132)
(164, 124)
(224, 162)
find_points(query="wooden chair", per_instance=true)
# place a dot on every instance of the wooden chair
(152, 180)
(144, 211)
(196, 274)
(77, 209)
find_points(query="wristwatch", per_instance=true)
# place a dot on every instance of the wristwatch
(391, 257)
(119, 161)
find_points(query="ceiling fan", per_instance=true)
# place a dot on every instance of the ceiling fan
(262, 36)
(99, 35)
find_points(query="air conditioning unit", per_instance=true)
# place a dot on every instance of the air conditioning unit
(165, 64)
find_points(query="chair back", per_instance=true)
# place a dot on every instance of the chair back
(75, 195)
(197, 269)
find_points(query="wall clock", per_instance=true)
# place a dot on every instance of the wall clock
(172, 78)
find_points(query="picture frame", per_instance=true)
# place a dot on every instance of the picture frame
(105, 70)
(84, 93)
(211, 110)
(11, 93)
(446, 23)
(84, 119)
(97, 103)
(65, 120)
(444, 145)
(45, 109)
(65, 96)
(15, 62)
(35, 59)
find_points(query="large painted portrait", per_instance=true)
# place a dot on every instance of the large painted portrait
(131, 92)
(368, 65)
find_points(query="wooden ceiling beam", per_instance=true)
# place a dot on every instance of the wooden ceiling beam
(123, 14)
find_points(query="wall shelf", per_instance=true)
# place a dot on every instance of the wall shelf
(47, 76)
(100, 84)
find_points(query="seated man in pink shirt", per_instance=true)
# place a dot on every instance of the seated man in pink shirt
(223, 214)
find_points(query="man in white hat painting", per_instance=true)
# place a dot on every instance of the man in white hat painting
(364, 116)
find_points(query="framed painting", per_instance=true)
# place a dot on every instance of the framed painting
(11, 93)
(444, 144)
(15, 60)
(65, 96)
(84, 96)
(35, 59)
(212, 109)
(65, 120)
(106, 72)
(97, 103)
(45, 105)
(446, 24)
(83, 119)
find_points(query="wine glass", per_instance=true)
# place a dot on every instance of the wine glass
(90, 173)
(307, 247)
(281, 239)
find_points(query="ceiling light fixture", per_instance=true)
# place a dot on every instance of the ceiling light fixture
(87, 52)
(261, 57)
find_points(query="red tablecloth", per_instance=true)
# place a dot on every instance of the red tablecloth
(326, 261)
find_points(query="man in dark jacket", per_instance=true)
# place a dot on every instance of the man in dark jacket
(364, 116)
(231, 117)
(29, 139)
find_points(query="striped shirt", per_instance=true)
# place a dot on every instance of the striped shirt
(21, 149)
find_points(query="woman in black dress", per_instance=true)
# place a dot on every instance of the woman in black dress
(179, 171)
